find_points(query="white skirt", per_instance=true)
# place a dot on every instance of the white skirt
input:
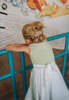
(47, 83)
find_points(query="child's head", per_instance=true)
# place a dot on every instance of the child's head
(33, 31)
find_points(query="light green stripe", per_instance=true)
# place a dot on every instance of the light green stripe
(30, 93)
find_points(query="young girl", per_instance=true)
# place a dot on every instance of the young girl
(46, 82)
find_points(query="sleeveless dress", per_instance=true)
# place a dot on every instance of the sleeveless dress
(46, 82)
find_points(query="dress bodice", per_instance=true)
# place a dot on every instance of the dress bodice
(41, 53)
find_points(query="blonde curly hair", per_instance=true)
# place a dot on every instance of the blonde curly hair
(33, 31)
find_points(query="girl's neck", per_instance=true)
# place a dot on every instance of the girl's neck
(37, 42)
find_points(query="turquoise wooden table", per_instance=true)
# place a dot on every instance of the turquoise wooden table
(23, 68)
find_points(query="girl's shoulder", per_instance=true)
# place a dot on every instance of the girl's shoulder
(41, 45)
(45, 45)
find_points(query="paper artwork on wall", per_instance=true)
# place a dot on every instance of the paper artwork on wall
(14, 14)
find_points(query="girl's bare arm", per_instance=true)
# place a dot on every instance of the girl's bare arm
(24, 44)
(17, 48)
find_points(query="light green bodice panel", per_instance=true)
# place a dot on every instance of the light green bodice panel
(41, 53)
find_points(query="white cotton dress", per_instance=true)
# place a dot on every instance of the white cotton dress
(46, 81)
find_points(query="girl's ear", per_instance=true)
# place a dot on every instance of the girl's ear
(44, 37)
(27, 41)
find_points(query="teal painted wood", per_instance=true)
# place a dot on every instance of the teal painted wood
(66, 51)
(7, 75)
(65, 56)
(2, 77)
(12, 72)
(2, 52)
(11, 68)
(57, 36)
(67, 83)
(22, 69)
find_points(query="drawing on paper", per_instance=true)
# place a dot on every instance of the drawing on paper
(4, 6)
(52, 32)
(11, 26)
(6, 38)
(15, 23)
(45, 9)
